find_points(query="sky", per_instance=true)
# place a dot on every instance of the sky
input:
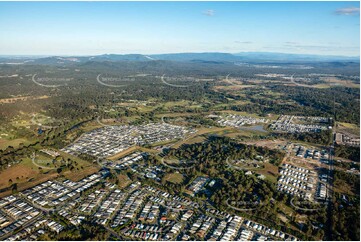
(91, 28)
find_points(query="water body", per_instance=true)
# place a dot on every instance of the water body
(254, 128)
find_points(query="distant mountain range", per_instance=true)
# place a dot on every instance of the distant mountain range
(213, 57)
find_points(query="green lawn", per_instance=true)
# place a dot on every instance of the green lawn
(4, 143)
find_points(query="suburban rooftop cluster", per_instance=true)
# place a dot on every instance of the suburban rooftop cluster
(110, 140)
(18, 214)
(294, 124)
(297, 181)
(238, 120)
(347, 139)
(52, 193)
(141, 212)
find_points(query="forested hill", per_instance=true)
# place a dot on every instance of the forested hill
(252, 57)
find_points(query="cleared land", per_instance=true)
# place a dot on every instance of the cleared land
(24, 176)
(25, 98)
(27, 174)
(129, 151)
(175, 178)
(198, 133)
(348, 128)
(269, 171)
(124, 180)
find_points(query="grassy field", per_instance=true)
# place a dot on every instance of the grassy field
(123, 153)
(175, 178)
(27, 174)
(233, 87)
(197, 139)
(272, 117)
(91, 126)
(178, 103)
(171, 115)
(42, 119)
(244, 133)
(269, 171)
(40, 178)
(334, 81)
(82, 169)
(43, 162)
(161, 143)
(18, 173)
(200, 132)
(80, 174)
(4, 143)
(9, 135)
(240, 113)
(348, 128)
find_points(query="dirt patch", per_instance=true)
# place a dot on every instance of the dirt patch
(123, 153)
(283, 218)
(34, 178)
(16, 99)
(124, 180)
(271, 144)
(233, 87)
(21, 171)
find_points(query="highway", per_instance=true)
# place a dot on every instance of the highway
(330, 185)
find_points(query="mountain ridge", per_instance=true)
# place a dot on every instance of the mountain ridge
(259, 57)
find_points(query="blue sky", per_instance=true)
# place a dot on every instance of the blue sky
(89, 28)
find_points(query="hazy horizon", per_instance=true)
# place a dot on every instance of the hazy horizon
(171, 53)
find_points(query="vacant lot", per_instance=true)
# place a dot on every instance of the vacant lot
(77, 175)
(17, 174)
(271, 144)
(348, 128)
(198, 133)
(175, 178)
(24, 175)
(27, 174)
(124, 180)
(124, 153)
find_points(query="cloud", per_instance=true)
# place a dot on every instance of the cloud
(209, 12)
(348, 11)
(291, 43)
(243, 42)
